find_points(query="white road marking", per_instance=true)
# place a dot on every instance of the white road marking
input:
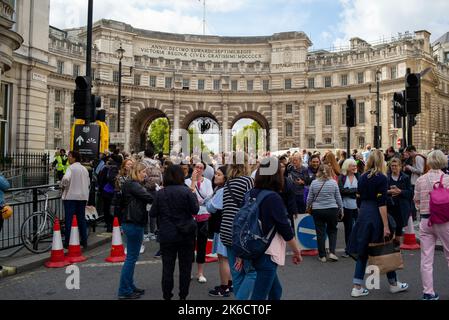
(96, 265)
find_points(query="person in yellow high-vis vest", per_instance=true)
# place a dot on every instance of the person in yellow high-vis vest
(61, 163)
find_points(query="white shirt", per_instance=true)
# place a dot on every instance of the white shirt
(205, 192)
(76, 183)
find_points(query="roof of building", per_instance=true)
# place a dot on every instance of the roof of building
(443, 39)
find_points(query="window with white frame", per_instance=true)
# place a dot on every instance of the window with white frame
(58, 95)
(266, 85)
(216, 85)
(137, 78)
(200, 84)
(287, 83)
(361, 142)
(289, 108)
(327, 141)
(115, 76)
(343, 114)
(249, 85)
(328, 82)
(311, 116)
(234, 85)
(288, 129)
(311, 143)
(360, 77)
(361, 116)
(57, 120)
(153, 81)
(394, 72)
(60, 67)
(344, 79)
(168, 82)
(328, 115)
(76, 70)
(311, 82)
(185, 84)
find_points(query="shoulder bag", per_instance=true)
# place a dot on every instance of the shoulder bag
(309, 208)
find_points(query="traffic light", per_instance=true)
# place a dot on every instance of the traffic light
(95, 104)
(82, 98)
(350, 112)
(101, 115)
(413, 93)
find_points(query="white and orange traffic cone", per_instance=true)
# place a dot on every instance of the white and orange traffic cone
(410, 242)
(74, 255)
(117, 250)
(209, 256)
(57, 259)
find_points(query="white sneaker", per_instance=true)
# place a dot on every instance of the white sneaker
(333, 257)
(323, 259)
(146, 237)
(399, 287)
(359, 292)
(202, 279)
(142, 249)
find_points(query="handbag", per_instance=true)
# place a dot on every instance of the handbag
(185, 227)
(386, 256)
(309, 208)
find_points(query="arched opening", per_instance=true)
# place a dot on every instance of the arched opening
(249, 134)
(150, 125)
(204, 133)
(158, 135)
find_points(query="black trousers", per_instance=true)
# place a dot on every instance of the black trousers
(326, 222)
(169, 251)
(108, 217)
(348, 221)
(201, 242)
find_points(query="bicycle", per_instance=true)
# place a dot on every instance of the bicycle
(36, 231)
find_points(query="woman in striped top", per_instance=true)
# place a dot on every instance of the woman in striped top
(237, 185)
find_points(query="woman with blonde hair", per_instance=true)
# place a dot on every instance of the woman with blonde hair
(372, 223)
(135, 217)
(324, 197)
(429, 234)
(347, 183)
(122, 177)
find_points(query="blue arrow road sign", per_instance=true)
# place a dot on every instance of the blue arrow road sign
(306, 233)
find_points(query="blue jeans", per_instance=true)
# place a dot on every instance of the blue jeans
(72, 207)
(243, 280)
(360, 269)
(134, 236)
(267, 282)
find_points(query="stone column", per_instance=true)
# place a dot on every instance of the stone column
(66, 118)
(319, 122)
(225, 130)
(302, 125)
(370, 123)
(175, 130)
(50, 121)
(127, 107)
(274, 137)
(336, 122)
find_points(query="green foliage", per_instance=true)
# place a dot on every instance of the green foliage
(159, 135)
(195, 137)
(243, 135)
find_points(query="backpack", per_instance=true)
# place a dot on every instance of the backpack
(439, 203)
(248, 240)
(154, 176)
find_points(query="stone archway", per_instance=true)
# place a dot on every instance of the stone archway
(140, 124)
(211, 138)
(257, 117)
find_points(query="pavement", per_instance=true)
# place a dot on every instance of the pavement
(311, 280)
(24, 261)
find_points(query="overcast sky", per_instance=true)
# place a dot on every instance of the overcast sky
(327, 22)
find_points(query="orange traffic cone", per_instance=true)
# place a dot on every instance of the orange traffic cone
(410, 242)
(57, 259)
(209, 256)
(74, 254)
(117, 250)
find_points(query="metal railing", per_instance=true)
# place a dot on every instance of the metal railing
(26, 169)
(25, 201)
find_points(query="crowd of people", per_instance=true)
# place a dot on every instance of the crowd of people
(182, 202)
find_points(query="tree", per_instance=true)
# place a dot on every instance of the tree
(159, 135)
(244, 134)
(195, 140)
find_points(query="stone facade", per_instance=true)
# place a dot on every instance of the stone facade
(276, 80)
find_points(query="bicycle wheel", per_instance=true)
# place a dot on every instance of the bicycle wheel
(37, 232)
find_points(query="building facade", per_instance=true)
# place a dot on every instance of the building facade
(297, 95)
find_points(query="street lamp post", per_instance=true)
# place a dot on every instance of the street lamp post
(120, 52)
(378, 131)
